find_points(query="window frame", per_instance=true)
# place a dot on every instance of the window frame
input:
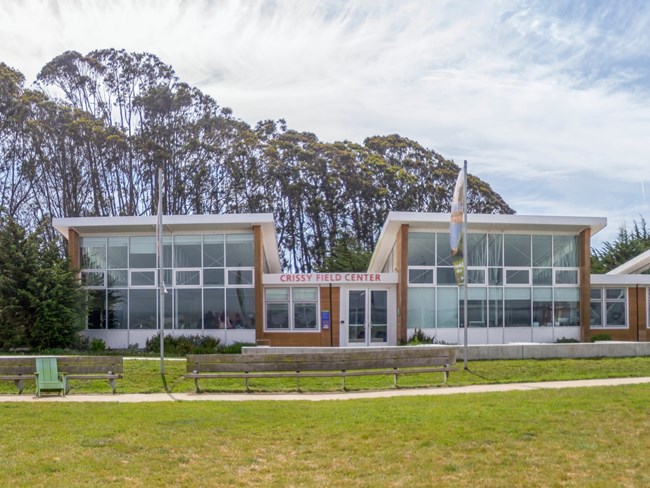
(603, 301)
(291, 304)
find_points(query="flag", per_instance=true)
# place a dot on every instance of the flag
(456, 228)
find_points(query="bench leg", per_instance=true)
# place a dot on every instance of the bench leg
(248, 390)
(343, 378)
(446, 376)
(20, 384)
(196, 385)
(395, 378)
(113, 384)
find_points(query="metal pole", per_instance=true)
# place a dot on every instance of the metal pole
(465, 258)
(331, 319)
(161, 282)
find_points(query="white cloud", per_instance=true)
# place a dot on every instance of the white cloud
(530, 93)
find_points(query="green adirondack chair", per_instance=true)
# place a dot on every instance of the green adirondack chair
(48, 378)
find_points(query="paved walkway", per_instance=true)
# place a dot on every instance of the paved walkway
(247, 397)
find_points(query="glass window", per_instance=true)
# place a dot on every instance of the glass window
(517, 311)
(495, 276)
(93, 279)
(419, 276)
(118, 278)
(240, 277)
(615, 307)
(188, 308)
(143, 278)
(567, 306)
(516, 250)
(240, 308)
(93, 252)
(96, 309)
(239, 250)
(543, 307)
(421, 308)
(167, 252)
(214, 276)
(142, 252)
(443, 255)
(477, 313)
(305, 303)
(118, 252)
(143, 309)
(542, 276)
(566, 276)
(565, 251)
(187, 251)
(495, 303)
(476, 276)
(446, 276)
(188, 277)
(421, 249)
(517, 276)
(476, 250)
(305, 294)
(214, 310)
(495, 250)
(213, 253)
(596, 313)
(542, 251)
(118, 306)
(277, 315)
(447, 307)
(277, 294)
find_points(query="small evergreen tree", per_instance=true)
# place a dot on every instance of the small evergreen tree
(41, 303)
(347, 255)
(628, 244)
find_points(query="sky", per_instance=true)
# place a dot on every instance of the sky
(548, 101)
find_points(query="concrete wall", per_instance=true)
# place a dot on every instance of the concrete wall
(555, 351)
(503, 351)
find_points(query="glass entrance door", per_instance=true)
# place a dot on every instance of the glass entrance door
(367, 317)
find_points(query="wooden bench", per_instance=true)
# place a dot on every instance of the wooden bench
(337, 363)
(91, 368)
(18, 369)
(22, 368)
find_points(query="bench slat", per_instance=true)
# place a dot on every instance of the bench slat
(336, 363)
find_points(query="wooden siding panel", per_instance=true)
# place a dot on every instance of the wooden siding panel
(401, 261)
(322, 338)
(258, 262)
(585, 283)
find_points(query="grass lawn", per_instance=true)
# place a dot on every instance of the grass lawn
(143, 376)
(596, 437)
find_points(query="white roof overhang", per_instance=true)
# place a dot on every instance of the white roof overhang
(174, 224)
(439, 222)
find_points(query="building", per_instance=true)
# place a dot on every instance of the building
(529, 281)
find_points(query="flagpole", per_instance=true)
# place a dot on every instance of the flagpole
(465, 258)
(161, 282)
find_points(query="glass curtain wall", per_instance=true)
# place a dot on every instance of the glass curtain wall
(515, 280)
(209, 279)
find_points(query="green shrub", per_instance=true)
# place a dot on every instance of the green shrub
(601, 337)
(420, 337)
(566, 340)
(183, 345)
(97, 345)
(234, 348)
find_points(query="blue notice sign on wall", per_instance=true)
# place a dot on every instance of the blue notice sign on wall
(325, 319)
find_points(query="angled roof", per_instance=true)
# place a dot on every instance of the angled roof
(635, 265)
(439, 222)
(174, 224)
